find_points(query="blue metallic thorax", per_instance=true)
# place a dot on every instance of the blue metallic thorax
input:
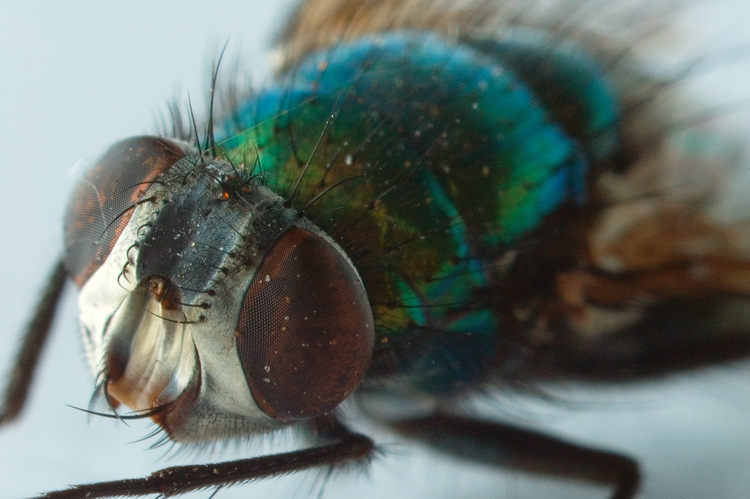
(429, 161)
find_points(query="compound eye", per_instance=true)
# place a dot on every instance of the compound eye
(305, 333)
(106, 196)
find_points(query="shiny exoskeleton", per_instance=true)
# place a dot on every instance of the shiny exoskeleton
(430, 200)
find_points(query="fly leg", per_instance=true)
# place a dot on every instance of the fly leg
(342, 447)
(34, 339)
(511, 447)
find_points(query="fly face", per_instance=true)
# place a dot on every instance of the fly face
(225, 298)
(111, 448)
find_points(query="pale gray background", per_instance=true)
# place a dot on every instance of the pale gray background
(76, 76)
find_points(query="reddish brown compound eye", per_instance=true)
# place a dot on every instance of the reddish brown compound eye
(104, 199)
(305, 332)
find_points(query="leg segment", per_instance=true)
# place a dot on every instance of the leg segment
(502, 445)
(35, 337)
(348, 447)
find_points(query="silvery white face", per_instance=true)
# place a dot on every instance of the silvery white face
(198, 298)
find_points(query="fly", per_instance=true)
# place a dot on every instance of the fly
(502, 229)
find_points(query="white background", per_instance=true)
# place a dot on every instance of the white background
(75, 77)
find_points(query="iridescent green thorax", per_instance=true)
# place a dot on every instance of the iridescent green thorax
(568, 83)
(430, 159)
